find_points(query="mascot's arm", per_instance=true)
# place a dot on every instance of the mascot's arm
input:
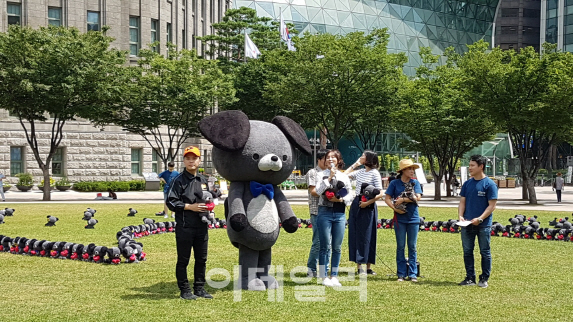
(288, 219)
(237, 219)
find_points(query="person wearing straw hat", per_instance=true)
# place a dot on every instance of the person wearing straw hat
(406, 219)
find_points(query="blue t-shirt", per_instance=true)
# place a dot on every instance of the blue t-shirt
(168, 176)
(478, 193)
(395, 188)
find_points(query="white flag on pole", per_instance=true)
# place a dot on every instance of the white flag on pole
(290, 45)
(285, 35)
(251, 49)
(284, 30)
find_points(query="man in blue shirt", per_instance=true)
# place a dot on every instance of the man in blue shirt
(165, 177)
(478, 200)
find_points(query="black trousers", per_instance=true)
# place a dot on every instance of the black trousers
(187, 239)
(558, 195)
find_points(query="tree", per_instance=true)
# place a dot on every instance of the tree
(438, 117)
(228, 41)
(163, 98)
(249, 80)
(54, 71)
(529, 95)
(331, 80)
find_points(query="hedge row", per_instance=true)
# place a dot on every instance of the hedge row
(103, 186)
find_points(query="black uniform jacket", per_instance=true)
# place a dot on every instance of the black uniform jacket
(186, 189)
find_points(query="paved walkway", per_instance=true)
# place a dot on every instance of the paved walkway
(508, 198)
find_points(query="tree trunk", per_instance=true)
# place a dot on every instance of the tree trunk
(47, 188)
(531, 190)
(447, 182)
(524, 191)
(437, 188)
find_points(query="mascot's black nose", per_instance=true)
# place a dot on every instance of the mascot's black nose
(275, 158)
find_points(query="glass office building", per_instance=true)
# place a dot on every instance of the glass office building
(412, 24)
(557, 23)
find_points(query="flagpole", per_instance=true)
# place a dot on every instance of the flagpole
(245, 49)
(280, 27)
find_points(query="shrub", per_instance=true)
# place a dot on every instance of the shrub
(52, 182)
(136, 185)
(25, 179)
(63, 182)
(102, 186)
(302, 186)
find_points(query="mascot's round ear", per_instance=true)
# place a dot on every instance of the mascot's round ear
(227, 130)
(294, 133)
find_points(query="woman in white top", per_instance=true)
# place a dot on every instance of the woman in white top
(363, 216)
(331, 217)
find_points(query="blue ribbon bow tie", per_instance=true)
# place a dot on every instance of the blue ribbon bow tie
(266, 189)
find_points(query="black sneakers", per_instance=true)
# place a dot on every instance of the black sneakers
(467, 282)
(187, 295)
(200, 292)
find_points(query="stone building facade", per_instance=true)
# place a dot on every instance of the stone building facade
(88, 153)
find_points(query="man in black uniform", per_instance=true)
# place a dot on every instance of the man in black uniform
(184, 199)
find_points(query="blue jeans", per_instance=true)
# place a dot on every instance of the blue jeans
(411, 232)
(331, 227)
(315, 248)
(483, 234)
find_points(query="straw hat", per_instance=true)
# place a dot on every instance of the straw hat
(407, 163)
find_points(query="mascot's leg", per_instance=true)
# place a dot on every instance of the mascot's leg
(248, 262)
(264, 265)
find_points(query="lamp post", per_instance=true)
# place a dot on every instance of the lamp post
(495, 143)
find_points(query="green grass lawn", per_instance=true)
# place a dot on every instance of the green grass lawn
(530, 279)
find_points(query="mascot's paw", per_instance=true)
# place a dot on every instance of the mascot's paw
(239, 222)
(256, 285)
(271, 283)
(290, 225)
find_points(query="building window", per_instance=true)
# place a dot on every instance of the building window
(14, 14)
(134, 36)
(136, 161)
(531, 13)
(154, 34)
(184, 39)
(93, 21)
(509, 30)
(58, 162)
(55, 16)
(169, 33)
(510, 12)
(16, 160)
(154, 163)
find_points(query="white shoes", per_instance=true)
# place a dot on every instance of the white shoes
(331, 282)
(335, 282)
(327, 282)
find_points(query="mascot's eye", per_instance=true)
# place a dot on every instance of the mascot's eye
(255, 156)
(285, 157)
